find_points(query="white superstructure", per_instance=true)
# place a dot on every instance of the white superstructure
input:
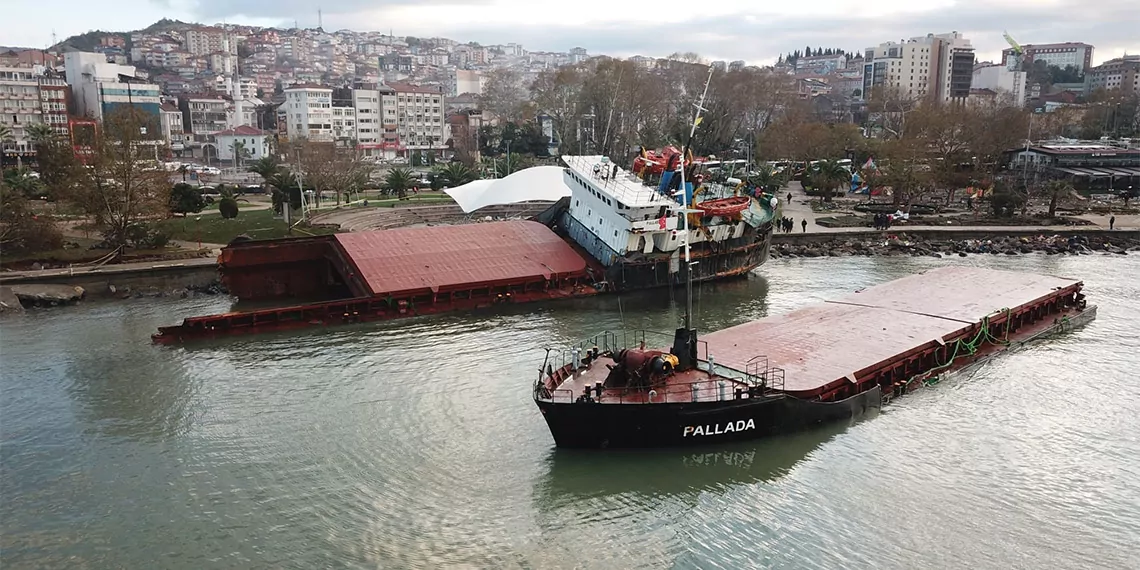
(618, 209)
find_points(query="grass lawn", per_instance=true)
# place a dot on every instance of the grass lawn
(257, 224)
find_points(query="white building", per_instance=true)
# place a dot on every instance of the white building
(1076, 54)
(255, 143)
(172, 129)
(369, 126)
(19, 106)
(420, 114)
(935, 66)
(98, 87)
(1002, 80)
(468, 81)
(308, 112)
(201, 41)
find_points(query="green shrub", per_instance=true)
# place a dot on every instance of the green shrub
(228, 206)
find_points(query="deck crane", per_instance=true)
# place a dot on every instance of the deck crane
(1018, 52)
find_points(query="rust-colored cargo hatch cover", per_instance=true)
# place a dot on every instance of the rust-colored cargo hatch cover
(825, 342)
(447, 258)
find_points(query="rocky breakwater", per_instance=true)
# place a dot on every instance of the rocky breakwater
(40, 295)
(901, 244)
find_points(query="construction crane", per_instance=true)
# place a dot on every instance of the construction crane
(1018, 52)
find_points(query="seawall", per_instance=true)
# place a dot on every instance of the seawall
(115, 279)
(948, 234)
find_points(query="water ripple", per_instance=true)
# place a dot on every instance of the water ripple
(414, 444)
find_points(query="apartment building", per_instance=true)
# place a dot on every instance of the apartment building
(19, 107)
(173, 131)
(936, 66)
(203, 117)
(308, 112)
(53, 102)
(344, 117)
(97, 87)
(1122, 73)
(366, 100)
(1076, 54)
(820, 64)
(421, 122)
(205, 40)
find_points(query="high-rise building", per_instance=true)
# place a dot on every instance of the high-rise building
(19, 107)
(1122, 73)
(1076, 54)
(97, 87)
(308, 112)
(420, 113)
(369, 128)
(938, 67)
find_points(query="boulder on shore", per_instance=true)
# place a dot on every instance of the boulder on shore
(47, 295)
(9, 303)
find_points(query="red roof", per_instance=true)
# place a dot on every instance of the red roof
(441, 258)
(241, 131)
(825, 342)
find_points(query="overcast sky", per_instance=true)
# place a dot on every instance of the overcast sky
(753, 30)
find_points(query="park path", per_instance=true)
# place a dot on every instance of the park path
(800, 209)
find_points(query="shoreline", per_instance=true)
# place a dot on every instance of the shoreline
(961, 243)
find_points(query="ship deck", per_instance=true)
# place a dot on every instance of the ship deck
(675, 388)
(841, 341)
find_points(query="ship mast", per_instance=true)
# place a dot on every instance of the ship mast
(685, 208)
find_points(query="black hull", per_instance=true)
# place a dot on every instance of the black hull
(594, 425)
(726, 259)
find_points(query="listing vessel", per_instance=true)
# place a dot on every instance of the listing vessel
(633, 222)
(819, 364)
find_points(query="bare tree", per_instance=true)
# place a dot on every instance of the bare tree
(122, 187)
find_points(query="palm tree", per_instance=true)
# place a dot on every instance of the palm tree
(267, 167)
(1055, 189)
(240, 152)
(398, 180)
(183, 170)
(829, 175)
(767, 178)
(24, 181)
(6, 137)
(40, 133)
(456, 174)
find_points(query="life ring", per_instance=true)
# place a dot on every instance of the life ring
(724, 206)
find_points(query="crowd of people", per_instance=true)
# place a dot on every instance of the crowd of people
(882, 221)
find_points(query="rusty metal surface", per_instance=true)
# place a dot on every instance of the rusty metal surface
(825, 342)
(441, 258)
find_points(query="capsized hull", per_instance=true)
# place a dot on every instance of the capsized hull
(598, 425)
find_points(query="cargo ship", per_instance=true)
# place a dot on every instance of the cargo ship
(820, 364)
(605, 229)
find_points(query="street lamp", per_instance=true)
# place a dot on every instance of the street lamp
(198, 230)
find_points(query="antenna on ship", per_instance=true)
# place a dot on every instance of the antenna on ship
(685, 340)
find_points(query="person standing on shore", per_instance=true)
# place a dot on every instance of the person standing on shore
(1111, 222)
(803, 224)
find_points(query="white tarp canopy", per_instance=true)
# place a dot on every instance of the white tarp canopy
(541, 183)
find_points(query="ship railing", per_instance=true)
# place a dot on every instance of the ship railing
(760, 373)
(707, 390)
(613, 341)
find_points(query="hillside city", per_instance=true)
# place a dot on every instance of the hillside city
(390, 96)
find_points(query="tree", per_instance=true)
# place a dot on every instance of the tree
(228, 207)
(399, 180)
(240, 153)
(186, 199)
(21, 230)
(266, 167)
(505, 96)
(829, 175)
(122, 188)
(183, 170)
(1055, 189)
(767, 179)
(455, 174)
(24, 181)
(40, 133)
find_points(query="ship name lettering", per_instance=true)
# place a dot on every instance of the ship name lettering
(719, 429)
